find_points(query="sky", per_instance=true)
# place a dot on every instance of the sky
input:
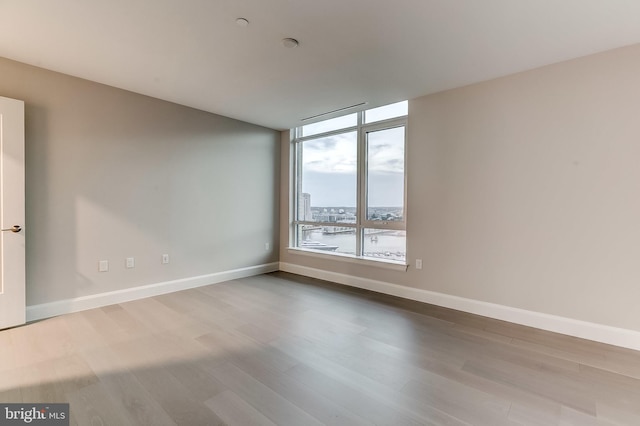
(330, 167)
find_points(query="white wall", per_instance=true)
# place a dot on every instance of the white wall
(524, 192)
(111, 174)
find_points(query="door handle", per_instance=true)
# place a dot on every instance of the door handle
(14, 228)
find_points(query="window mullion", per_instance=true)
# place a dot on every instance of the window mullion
(361, 195)
(297, 185)
(327, 134)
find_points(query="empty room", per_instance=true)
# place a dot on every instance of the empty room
(288, 212)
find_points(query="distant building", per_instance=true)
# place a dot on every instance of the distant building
(304, 207)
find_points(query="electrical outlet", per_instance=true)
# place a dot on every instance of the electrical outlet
(418, 263)
(130, 263)
(165, 259)
(103, 266)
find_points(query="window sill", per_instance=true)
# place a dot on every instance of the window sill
(347, 258)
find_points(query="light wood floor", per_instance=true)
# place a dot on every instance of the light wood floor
(286, 350)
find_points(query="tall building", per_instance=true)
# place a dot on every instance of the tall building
(304, 207)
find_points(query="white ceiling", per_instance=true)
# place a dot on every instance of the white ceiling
(351, 51)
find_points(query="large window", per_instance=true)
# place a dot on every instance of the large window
(350, 184)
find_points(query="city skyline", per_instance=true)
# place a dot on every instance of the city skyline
(305, 202)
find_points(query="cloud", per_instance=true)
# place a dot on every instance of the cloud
(385, 151)
(334, 154)
(375, 149)
(388, 160)
(330, 169)
(326, 144)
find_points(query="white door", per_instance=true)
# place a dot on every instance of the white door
(12, 237)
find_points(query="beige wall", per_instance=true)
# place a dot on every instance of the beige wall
(111, 174)
(524, 191)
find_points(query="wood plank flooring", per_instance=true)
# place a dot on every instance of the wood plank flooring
(281, 349)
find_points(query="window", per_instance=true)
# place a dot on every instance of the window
(349, 184)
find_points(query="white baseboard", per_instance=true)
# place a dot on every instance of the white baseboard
(585, 330)
(60, 307)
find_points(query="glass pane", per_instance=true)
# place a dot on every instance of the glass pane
(328, 179)
(385, 174)
(338, 123)
(386, 112)
(328, 239)
(385, 244)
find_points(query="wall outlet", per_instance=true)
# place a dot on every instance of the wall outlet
(130, 263)
(418, 263)
(103, 266)
(165, 259)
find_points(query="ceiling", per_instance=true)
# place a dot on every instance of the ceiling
(192, 52)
